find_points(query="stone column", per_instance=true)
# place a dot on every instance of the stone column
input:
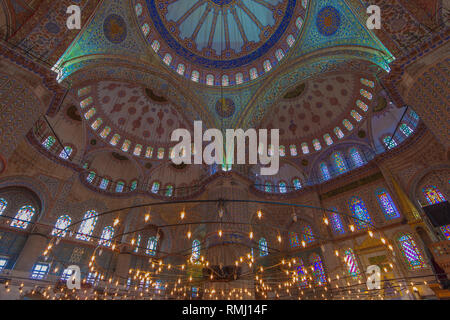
(123, 263)
(33, 249)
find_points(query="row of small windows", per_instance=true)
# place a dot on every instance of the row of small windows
(49, 143)
(340, 165)
(282, 186)
(391, 142)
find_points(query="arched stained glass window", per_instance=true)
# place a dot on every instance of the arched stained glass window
(87, 225)
(290, 40)
(90, 113)
(239, 78)
(319, 275)
(120, 185)
(339, 162)
(282, 151)
(267, 65)
(195, 76)
(210, 80)
(352, 264)
(293, 150)
(167, 59)
(389, 142)
(282, 187)
(338, 132)
(366, 94)
(405, 129)
(356, 115)
(356, 157)
(145, 29)
(367, 83)
(253, 73)
(86, 102)
(169, 190)
(138, 9)
(324, 171)
(66, 152)
(90, 177)
(362, 105)
(126, 145)
(134, 185)
(433, 195)
(336, 222)
(225, 81)
(137, 150)
(155, 187)
(279, 54)
(302, 275)
(156, 45)
(107, 235)
(151, 246)
(3, 205)
(305, 148)
(347, 124)
(268, 187)
(307, 234)
(115, 139)
(160, 153)
(60, 229)
(446, 231)
(263, 249)
(104, 184)
(149, 152)
(293, 239)
(410, 252)
(297, 184)
(49, 142)
(299, 22)
(195, 250)
(180, 69)
(316, 144)
(138, 243)
(328, 139)
(97, 123)
(359, 211)
(387, 205)
(23, 217)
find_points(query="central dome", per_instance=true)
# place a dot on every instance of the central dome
(219, 42)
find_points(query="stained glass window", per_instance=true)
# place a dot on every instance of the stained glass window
(347, 124)
(279, 54)
(49, 142)
(433, 195)
(304, 3)
(106, 237)
(138, 243)
(169, 190)
(414, 115)
(446, 231)
(389, 142)
(268, 187)
(352, 264)
(267, 66)
(410, 252)
(145, 29)
(297, 184)
(328, 139)
(87, 225)
(195, 76)
(307, 234)
(137, 150)
(149, 152)
(356, 115)
(86, 102)
(405, 129)
(299, 22)
(155, 187)
(210, 80)
(104, 184)
(293, 239)
(115, 139)
(339, 162)
(367, 83)
(316, 144)
(225, 81)
(181, 69)
(23, 217)
(195, 250)
(282, 187)
(126, 145)
(366, 94)
(239, 78)
(91, 177)
(66, 152)
(60, 229)
(39, 271)
(97, 123)
(305, 148)
(387, 205)
(155, 45)
(133, 186)
(138, 9)
(290, 40)
(151, 246)
(302, 276)
(90, 113)
(167, 59)
(293, 150)
(160, 153)
(253, 73)
(282, 151)
(364, 107)
(84, 91)
(336, 222)
(3, 205)
(324, 170)
(263, 249)
(119, 187)
(359, 211)
(319, 276)
(356, 157)
(338, 132)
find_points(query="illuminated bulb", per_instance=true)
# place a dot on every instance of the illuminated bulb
(352, 228)
(182, 214)
(383, 240)
(147, 217)
(390, 247)
(279, 238)
(116, 222)
(371, 233)
(132, 242)
(325, 220)
(251, 235)
(336, 253)
(189, 235)
(220, 233)
(303, 243)
(259, 214)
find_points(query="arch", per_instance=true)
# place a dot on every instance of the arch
(339, 162)
(293, 239)
(195, 250)
(3, 205)
(387, 205)
(359, 211)
(355, 155)
(352, 264)
(152, 245)
(433, 195)
(263, 249)
(319, 275)
(87, 226)
(23, 217)
(307, 234)
(324, 171)
(336, 221)
(106, 237)
(410, 252)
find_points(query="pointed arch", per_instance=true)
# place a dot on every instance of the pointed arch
(87, 226)
(61, 225)
(360, 213)
(106, 237)
(263, 249)
(23, 217)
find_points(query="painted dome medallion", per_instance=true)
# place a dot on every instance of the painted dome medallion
(221, 42)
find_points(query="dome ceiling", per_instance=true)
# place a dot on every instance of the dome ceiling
(130, 116)
(217, 42)
(333, 105)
